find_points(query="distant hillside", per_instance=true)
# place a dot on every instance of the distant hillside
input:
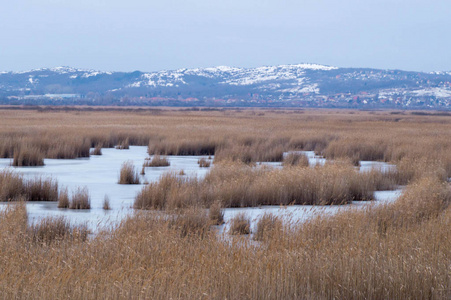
(305, 85)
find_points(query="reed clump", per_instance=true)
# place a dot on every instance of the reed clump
(42, 189)
(63, 199)
(128, 174)
(106, 203)
(28, 156)
(216, 214)
(203, 163)
(97, 150)
(240, 224)
(191, 221)
(52, 230)
(123, 145)
(80, 199)
(14, 187)
(157, 161)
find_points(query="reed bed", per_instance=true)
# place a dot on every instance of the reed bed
(239, 185)
(14, 187)
(385, 252)
(394, 251)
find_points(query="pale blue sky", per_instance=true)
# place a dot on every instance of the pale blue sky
(153, 35)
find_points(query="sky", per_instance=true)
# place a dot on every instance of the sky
(150, 35)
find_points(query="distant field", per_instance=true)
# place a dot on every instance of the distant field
(395, 251)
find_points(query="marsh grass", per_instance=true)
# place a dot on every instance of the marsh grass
(266, 226)
(14, 187)
(28, 156)
(128, 175)
(392, 251)
(123, 145)
(63, 199)
(157, 161)
(240, 224)
(52, 230)
(216, 214)
(106, 203)
(383, 252)
(80, 199)
(295, 159)
(97, 150)
(203, 163)
(42, 189)
(191, 221)
(239, 185)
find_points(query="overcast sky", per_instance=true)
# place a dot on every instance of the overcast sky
(150, 35)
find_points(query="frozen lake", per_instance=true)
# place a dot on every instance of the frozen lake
(100, 175)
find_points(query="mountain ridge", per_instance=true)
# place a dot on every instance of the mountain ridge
(304, 84)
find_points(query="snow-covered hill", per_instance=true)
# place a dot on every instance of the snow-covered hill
(302, 82)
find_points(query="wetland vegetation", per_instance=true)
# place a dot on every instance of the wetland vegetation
(172, 246)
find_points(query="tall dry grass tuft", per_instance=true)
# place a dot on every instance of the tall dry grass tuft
(124, 144)
(63, 199)
(295, 159)
(42, 189)
(106, 203)
(267, 225)
(216, 214)
(12, 185)
(170, 192)
(97, 150)
(128, 175)
(191, 221)
(80, 199)
(203, 163)
(157, 161)
(240, 224)
(26, 156)
(52, 230)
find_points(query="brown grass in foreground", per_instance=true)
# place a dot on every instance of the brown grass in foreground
(398, 251)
